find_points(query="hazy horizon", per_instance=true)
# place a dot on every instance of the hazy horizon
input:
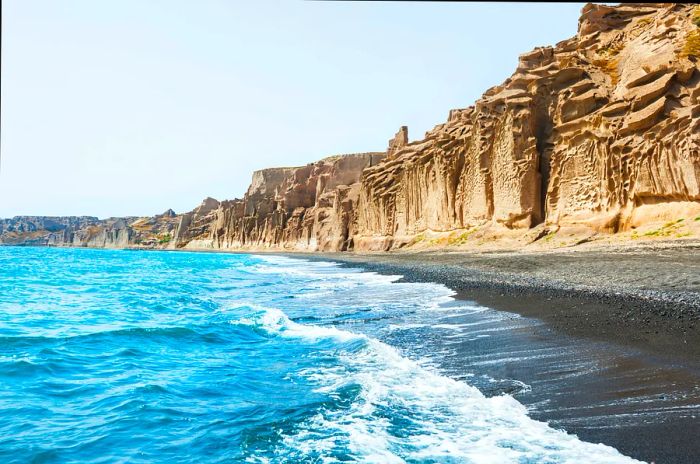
(130, 108)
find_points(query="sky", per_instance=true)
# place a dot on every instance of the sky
(131, 107)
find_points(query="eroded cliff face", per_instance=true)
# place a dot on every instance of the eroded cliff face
(303, 208)
(88, 231)
(601, 130)
(41, 231)
(194, 228)
(599, 134)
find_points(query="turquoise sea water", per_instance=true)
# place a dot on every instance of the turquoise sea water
(150, 357)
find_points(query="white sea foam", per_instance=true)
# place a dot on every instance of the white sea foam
(408, 412)
(276, 322)
(337, 275)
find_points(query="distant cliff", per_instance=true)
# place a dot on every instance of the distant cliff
(87, 231)
(599, 134)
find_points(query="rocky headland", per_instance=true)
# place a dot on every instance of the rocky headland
(595, 138)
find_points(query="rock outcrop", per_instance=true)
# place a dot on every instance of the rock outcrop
(41, 230)
(87, 231)
(399, 141)
(303, 208)
(196, 224)
(599, 133)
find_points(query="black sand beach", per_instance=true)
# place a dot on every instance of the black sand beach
(611, 346)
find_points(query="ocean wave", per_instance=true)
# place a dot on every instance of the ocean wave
(231, 358)
(406, 412)
(276, 322)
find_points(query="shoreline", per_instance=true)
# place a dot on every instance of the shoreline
(612, 292)
(642, 332)
(621, 295)
(609, 359)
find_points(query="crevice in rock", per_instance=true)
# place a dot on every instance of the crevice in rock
(544, 145)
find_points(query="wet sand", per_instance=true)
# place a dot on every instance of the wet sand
(610, 343)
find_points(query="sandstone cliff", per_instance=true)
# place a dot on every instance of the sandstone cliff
(304, 208)
(601, 131)
(599, 134)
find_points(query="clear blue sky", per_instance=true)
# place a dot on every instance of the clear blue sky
(130, 107)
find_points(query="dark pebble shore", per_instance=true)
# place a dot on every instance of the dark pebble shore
(647, 297)
(640, 303)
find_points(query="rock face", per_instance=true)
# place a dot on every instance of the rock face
(600, 132)
(41, 230)
(197, 223)
(87, 231)
(303, 208)
(399, 141)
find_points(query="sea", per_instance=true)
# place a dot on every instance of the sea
(124, 356)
